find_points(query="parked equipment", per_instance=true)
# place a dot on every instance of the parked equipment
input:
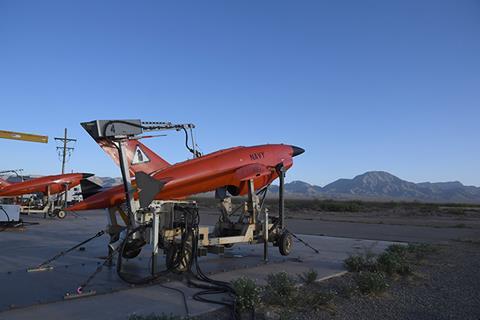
(48, 186)
(53, 188)
(152, 213)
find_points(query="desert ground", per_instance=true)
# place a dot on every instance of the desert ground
(442, 283)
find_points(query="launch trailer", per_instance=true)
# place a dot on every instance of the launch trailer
(173, 226)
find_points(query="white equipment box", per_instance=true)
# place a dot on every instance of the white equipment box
(9, 212)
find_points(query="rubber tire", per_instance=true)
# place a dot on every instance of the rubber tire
(285, 243)
(131, 250)
(172, 253)
(59, 213)
(131, 254)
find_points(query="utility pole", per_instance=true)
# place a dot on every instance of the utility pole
(65, 149)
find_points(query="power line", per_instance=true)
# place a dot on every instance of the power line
(65, 149)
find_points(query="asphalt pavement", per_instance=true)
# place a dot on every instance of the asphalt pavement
(41, 295)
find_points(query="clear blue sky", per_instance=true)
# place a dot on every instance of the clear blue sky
(361, 85)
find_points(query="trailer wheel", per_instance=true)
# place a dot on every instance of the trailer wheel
(59, 213)
(285, 243)
(133, 248)
(178, 263)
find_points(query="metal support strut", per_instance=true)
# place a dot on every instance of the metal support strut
(265, 236)
(281, 199)
(155, 240)
(252, 202)
(49, 209)
(127, 184)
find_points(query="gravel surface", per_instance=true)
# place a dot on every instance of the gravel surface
(445, 285)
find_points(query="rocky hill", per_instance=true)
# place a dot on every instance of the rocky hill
(372, 185)
(381, 185)
(106, 182)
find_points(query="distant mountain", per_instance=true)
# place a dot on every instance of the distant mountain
(372, 185)
(381, 185)
(106, 182)
(299, 188)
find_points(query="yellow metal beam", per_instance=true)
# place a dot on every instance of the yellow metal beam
(23, 136)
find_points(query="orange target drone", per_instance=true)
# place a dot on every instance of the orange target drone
(151, 206)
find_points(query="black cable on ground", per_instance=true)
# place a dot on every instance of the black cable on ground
(97, 271)
(189, 230)
(153, 278)
(303, 241)
(62, 253)
(185, 303)
(212, 286)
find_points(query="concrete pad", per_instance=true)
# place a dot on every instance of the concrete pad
(40, 295)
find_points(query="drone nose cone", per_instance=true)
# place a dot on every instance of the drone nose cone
(87, 175)
(297, 151)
